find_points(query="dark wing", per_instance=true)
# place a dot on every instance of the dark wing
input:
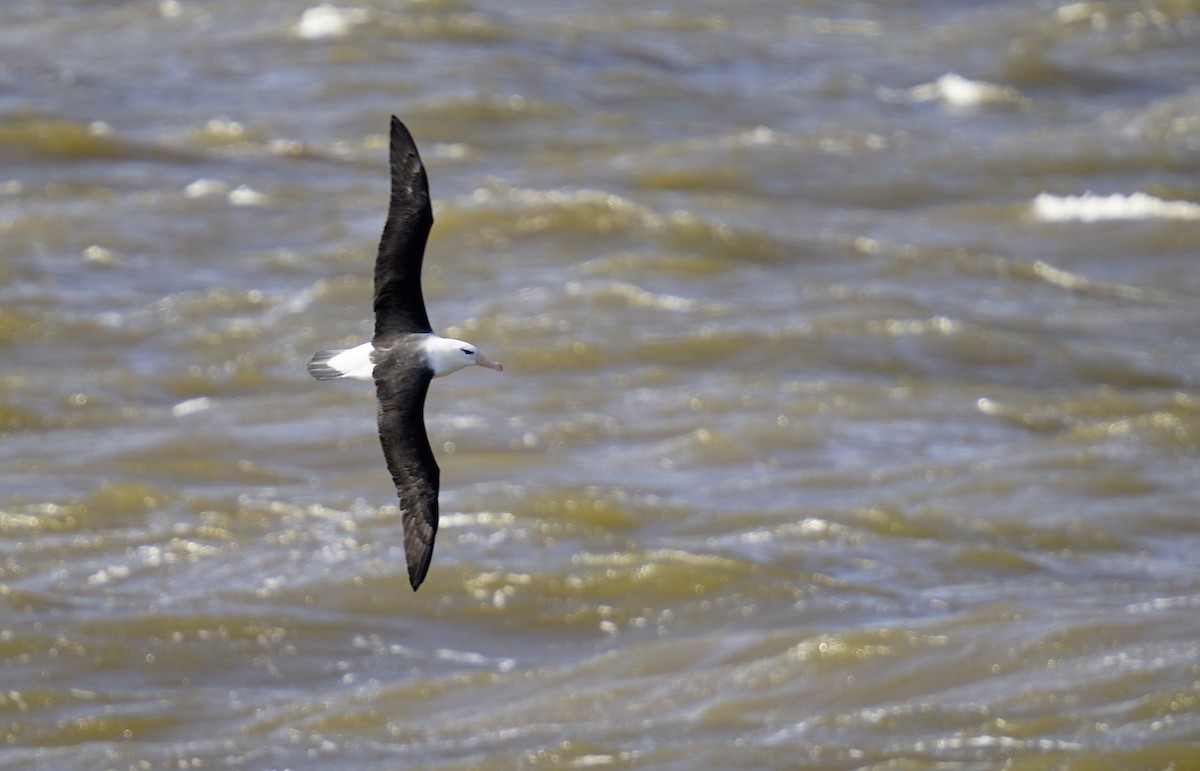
(399, 305)
(400, 385)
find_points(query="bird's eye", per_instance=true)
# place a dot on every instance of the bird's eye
(467, 351)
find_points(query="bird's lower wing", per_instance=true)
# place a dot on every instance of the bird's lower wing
(401, 392)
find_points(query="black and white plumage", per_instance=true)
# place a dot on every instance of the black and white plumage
(405, 353)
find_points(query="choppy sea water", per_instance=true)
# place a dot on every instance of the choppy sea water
(851, 415)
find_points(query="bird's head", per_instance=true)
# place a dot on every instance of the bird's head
(448, 355)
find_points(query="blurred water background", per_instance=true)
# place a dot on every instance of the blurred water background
(851, 416)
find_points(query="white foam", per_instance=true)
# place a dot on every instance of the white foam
(955, 91)
(190, 406)
(244, 195)
(203, 187)
(1096, 208)
(98, 255)
(329, 21)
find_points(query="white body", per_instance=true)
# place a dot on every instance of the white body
(443, 354)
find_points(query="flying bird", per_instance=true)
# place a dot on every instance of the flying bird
(405, 354)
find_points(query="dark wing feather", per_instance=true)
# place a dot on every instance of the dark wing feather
(399, 304)
(401, 383)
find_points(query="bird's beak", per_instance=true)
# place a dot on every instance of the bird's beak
(484, 361)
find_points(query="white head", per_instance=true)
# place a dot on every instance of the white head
(448, 355)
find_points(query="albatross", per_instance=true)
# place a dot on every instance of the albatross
(405, 354)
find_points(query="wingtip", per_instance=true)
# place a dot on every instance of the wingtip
(401, 135)
(419, 557)
(416, 573)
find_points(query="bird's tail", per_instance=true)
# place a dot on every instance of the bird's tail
(320, 368)
(357, 362)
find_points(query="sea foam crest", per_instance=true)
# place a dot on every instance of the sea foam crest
(1094, 208)
(956, 92)
(328, 21)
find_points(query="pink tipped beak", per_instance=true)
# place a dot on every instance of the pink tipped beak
(484, 361)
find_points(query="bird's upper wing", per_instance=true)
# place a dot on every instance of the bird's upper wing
(399, 304)
(401, 387)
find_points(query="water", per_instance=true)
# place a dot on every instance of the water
(850, 417)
